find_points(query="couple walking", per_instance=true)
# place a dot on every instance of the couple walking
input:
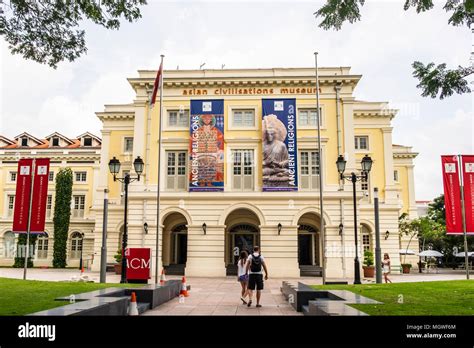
(250, 275)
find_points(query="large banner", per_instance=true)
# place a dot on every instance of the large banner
(206, 146)
(40, 193)
(279, 145)
(468, 188)
(452, 195)
(22, 195)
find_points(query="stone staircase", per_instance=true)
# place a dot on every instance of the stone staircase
(310, 271)
(175, 269)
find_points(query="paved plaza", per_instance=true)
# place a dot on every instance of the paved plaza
(219, 296)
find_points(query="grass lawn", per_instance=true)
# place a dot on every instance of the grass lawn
(20, 297)
(454, 297)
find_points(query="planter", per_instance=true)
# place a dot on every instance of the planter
(369, 271)
(118, 268)
(406, 268)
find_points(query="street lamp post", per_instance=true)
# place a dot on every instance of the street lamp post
(114, 167)
(82, 248)
(353, 177)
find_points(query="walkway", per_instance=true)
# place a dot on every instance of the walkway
(221, 296)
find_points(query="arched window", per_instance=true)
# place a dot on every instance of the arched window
(9, 244)
(76, 245)
(366, 238)
(42, 246)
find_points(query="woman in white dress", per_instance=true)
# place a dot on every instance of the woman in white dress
(242, 275)
(386, 267)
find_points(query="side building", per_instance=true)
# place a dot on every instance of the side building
(82, 155)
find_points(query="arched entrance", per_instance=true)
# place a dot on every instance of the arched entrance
(242, 233)
(175, 244)
(309, 249)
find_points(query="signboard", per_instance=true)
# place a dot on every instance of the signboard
(22, 196)
(468, 189)
(40, 193)
(279, 145)
(138, 264)
(206, 146)
(452, 195)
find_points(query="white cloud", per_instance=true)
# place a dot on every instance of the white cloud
(261, 34)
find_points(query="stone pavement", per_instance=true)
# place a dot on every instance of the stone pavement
(221, 296)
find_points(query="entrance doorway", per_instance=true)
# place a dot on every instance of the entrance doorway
(305, 254)
(243, 237)
(180, 248)
(175, 244)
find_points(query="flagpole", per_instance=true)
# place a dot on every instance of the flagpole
(466, 256)
(33, 169)
(321, 219)
(159, 176)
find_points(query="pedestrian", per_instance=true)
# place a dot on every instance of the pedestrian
(386, 267)
(255, 263)
(242, 274)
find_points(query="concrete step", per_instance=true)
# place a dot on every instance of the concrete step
(143, 307)
(177, 269)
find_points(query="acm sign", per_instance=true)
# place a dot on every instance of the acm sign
(138, 264)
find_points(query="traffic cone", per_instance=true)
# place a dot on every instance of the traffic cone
(184, 288)
(162, 277)
(133, 309)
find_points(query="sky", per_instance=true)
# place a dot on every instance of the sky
(254, 34)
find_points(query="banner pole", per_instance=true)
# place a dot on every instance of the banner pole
(320, 154)
(25, 266)
(463, 213)
(159, 176)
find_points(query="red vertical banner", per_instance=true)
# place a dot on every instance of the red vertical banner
(467, 163)
(452, 195)
(22, 195)
(40, 193)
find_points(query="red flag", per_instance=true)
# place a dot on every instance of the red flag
(40, 193)
(468, 189)
(22, 196)
(452, 195)
(157, 84)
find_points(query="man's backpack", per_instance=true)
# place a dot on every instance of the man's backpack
(256, 265)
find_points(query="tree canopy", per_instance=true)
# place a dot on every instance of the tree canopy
(434, 80)
(48, 31)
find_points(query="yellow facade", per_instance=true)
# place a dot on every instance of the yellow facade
(238, 217)
(257, 213)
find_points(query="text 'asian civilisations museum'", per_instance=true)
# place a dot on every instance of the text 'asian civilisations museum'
(239, 166)
(239, 154)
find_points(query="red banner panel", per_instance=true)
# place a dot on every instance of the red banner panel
(40, 193)
(452, 195)
(22, 196)
(138, 263)
(468, 188)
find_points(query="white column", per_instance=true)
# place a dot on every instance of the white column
(206, 251)
(412, 211)
(348, 129)
(280, 251)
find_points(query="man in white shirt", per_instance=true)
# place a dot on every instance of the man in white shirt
(255, 263)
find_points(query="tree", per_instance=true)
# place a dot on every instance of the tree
(21, 250)
(433, 80)
(62, 216)
(48, 32)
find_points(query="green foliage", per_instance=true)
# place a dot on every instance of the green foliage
(48, 32)
(368, 258)
(437, 238)
(21, 250)
(406, 265)
(336, 12)
(433, 81)
(118, 256)
(62, 216)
